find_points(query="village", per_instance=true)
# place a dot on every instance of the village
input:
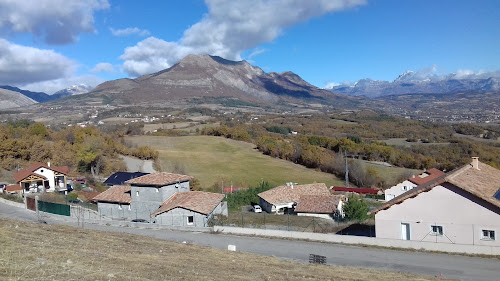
(458, 211)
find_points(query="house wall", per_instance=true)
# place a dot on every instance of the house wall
(397, 190)
(266, 206)
(179, 217)
(113, 210)
(49, 174)
(462, 216)
(147, 199)
(323, 216)
(221, 209)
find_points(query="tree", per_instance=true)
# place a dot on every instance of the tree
(356, 209)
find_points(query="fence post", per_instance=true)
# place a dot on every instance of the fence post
(242, 222)
(288, 223)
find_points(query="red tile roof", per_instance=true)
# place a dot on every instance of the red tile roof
(115, 194)
(197, 201)
(12, 188)
(426, 176)
(24, 173)
(482, 183)
(285, 193)
(163, 178)
(356, 190)
(319, 204)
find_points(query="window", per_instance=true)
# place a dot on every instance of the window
(119, 206)
(129, 208)
(137, 193)
(404, 188)
(157, 190)
(190, 220)
(487, 234)
(436, 230)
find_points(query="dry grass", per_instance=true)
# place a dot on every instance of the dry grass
(31, 251)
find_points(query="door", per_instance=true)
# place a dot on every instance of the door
(405, 231)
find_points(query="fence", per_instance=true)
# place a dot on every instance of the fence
(54, 208)
(292, 222)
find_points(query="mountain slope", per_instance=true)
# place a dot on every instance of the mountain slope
(203, 76)
(36, 96)
(11, 99)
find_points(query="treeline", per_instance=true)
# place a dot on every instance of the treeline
(244, 197)
(83, 150)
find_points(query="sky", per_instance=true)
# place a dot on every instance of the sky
(48, 45)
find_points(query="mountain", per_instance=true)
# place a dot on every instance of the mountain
(212, 78)
(72, 90)
(12, 99)
(36, 96)
(411, 82)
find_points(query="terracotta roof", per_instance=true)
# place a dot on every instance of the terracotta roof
(426, 176)
(24, 173)
(483, 183)
(197, 201)
(285, 193)
(163, 178)
(319, 204)
(115, 194)
(12, 188)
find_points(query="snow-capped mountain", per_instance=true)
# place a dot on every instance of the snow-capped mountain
(73, 90)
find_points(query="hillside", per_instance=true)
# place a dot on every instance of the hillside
(210, 77)
(11, 99)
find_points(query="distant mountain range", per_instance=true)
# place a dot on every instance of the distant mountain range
(13, 99)
(40, 97)
(410, 82)
(211, 77)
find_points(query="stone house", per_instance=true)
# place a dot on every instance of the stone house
(284, 198)
(461, 207)
(115, 202)
(321, 206)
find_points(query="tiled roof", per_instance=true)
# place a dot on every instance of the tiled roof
(197, 201)
(115, 194)
(319, 204)
(483, 183)
(426, 176)
(163, 178)
(22, 174)
(12, 188)
(121, 177)
(285, 193)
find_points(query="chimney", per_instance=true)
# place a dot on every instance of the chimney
(475, 163)
(48, 164)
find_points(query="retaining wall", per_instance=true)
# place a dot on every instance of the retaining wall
(359, 240)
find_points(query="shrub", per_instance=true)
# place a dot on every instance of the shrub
(356, 209)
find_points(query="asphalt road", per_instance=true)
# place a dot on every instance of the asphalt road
(448, 266)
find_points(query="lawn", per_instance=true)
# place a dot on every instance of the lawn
(34, 251)
(391, 175)
(217, 160)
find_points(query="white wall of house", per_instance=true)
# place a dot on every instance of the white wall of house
(398, 189)
(323, 216)
(49, 174)
(461, 216)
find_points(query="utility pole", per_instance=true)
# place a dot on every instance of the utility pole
(346, 170)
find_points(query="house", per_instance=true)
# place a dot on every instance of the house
(115, 202)
(39, 177)
(461, 207)
(119, 178)
(355, 190)
(411, 183)
(13, 189)
(322, 206)
(192, 208)
(284, 198)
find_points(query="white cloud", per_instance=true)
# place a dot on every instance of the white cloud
(130, 31)
(256, 52)
(103, 67)
(55, 21)
(229, 28)
(55, 85)
(21, 64)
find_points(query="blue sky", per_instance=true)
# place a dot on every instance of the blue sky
(47, 45)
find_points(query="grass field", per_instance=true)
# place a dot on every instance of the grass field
(391, 175)
(216, 159)
(33, 251)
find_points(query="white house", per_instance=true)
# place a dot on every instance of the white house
(284, 198)
(39, 177)
(461, 207)
(411, 183)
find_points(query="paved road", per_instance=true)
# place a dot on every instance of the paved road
(138, 165)
(450, 266)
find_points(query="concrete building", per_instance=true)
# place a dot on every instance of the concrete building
(115, 202)
(283, 199)
(461, 207)
(411, 183)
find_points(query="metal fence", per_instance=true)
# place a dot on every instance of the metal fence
(292, 222)
(54, 208)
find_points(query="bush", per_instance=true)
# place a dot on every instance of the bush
(356, 209)
(72, 196)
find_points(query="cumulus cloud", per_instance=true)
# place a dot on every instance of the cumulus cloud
(129, 31)
(21, 64)
(103, 67)
(55, 21)
(229, 28)
(55, 85)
